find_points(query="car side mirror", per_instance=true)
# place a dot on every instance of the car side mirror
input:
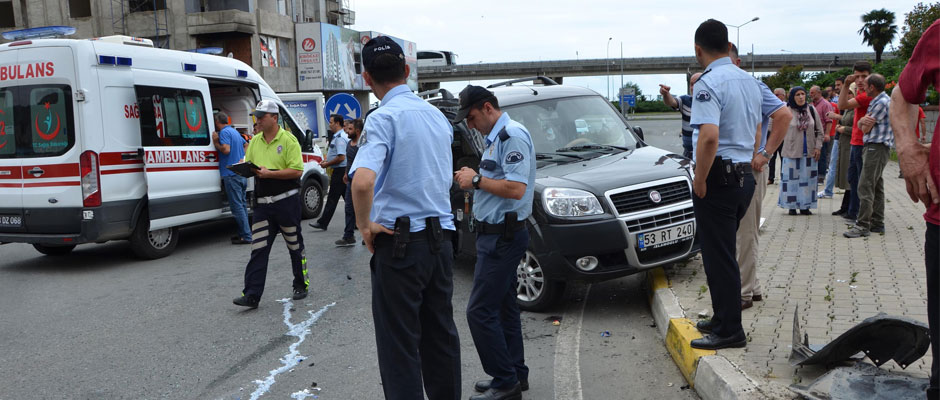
(639, 132)
(309, 136)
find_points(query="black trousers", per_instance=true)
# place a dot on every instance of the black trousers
(415, 334)
(717, 216)
(932, 261)
(337, 190)
(773, 164)
(492, 312)
(282, 216)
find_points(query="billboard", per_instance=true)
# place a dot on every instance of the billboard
(309, 57)
(411, 54)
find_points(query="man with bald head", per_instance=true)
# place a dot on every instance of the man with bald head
(823, 107)
(684, 105)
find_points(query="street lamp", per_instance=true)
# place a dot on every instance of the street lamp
(738, 29)
(607, 61)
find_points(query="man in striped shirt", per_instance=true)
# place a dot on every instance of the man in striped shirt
(683, 104)
(878, 138)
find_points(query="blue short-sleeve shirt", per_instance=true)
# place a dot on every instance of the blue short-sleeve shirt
(728, 97)
(236, 143)
(408, 146)
(338, 148)
(512, 159)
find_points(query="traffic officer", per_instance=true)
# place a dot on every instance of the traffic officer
(401, 180)
(501, 203)
(726, 113)
(277, 204)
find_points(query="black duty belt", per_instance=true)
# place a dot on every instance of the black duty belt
(490, 229)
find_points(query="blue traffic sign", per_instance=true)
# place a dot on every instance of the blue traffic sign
(630, 99)
(343, 104)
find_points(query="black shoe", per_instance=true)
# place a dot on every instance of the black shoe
(757, 297)
(345, 242)
(316, 225)
(705, 326)
(299, 294)
(792, 212)
(877, 229)
(745, 304)
(806, 212)
(482, 386)
(838, 213)
(510, 393)
(714, 342)
(246, 301)
(238, 240)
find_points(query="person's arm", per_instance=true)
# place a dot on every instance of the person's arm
(220, 143)
(846, 101)
(668, 98)
(819, 134)
(500, 187)
(878, 113)
(294, 169)
(705, 151)
(913, 156)
(758, 137)
(778, 131)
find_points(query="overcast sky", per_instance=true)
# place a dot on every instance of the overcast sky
(507, 30)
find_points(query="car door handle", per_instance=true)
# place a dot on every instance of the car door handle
(210, 156)
(36, 171)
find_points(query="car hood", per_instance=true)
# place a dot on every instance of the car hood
(612, 171)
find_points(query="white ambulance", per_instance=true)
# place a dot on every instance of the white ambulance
(111, 139)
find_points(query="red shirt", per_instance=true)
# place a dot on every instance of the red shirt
(917, 124)
(857, 134)
(923, 70)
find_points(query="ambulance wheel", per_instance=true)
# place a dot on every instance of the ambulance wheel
(52, 250)
(312, 196)
(534, 292)
(149, 244)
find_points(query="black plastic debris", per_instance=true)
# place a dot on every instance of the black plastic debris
(881, 338)
(863, 381)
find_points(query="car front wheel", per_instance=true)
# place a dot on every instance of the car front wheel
(312, 196)
(533, 291)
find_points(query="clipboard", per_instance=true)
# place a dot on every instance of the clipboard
(246, 169)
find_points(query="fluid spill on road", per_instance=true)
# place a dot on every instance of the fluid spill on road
(292, 358)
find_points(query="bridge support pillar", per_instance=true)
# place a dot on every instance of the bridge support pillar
(558, 79)
(422, 86)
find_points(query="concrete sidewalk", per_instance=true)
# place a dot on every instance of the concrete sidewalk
(836, 282)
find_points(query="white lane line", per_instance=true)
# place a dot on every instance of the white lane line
(292, 358)
(567, 350)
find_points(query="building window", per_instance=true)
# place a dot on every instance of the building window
(282, 7)
(146, 5)
(6, 14)
(79, 8)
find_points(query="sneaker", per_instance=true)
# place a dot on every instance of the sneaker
(878, 229)
(299, 294)
(246, 301)
(345, 242)
(316, 225)
(856, 232)
(823, 195)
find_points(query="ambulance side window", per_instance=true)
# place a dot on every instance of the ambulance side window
(287, 123)
(172, 117)
(7, 126)
(36, 121)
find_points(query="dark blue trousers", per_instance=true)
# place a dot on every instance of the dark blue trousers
(717, 217)
(492, 312)
(932, 261)
(337, 190)
(855, 170)
(350, 214)
(415, 334)
(823, 166)
(269, 219)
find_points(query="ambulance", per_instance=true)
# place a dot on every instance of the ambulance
(110, 139)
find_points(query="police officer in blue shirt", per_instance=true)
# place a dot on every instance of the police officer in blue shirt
(402, 180)
(335, 158)
(726, 113)
(501, 203)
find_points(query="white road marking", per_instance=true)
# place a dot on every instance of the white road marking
(567, 350)
(291, 359)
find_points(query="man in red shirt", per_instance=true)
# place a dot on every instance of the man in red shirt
(860, 103)
(921, 166)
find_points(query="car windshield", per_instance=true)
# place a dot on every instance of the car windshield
(573, 124)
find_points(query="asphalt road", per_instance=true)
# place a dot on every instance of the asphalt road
(99, 324)
(662, 133)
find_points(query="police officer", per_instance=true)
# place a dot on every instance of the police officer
(277, 204)
(335, 158)
(401, 180)
(501, 203)
(726, 113)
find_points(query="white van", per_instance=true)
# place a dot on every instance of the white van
(110, 139)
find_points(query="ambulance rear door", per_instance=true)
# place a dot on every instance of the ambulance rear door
(180, 162)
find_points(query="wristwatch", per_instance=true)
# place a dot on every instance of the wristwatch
(476, 181)
(765, 154)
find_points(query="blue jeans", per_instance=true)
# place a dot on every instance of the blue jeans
(687, 146)
(823, 162)
(855, 170)
(235, 191)
(833, 165)
(350, 214)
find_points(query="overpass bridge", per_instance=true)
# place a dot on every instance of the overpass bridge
(430, 77)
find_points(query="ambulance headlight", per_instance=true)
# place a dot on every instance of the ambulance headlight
(566, 202)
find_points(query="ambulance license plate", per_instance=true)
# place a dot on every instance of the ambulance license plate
(665, 237)
(11, 221)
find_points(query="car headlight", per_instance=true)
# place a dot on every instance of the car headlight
(564, 202)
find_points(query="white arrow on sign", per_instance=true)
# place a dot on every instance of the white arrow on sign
(335, 110)
(349, 111)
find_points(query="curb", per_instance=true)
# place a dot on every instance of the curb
(712, 376)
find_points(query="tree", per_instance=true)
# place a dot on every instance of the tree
(915, 23)
(878, 30)
(788, 76)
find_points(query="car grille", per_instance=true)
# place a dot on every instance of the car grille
(639, 199)
(664, 219)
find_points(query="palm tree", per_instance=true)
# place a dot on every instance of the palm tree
(878, 30)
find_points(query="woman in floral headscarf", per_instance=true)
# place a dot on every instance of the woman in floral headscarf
(800, 153)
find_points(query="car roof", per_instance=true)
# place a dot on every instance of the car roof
(518, 94)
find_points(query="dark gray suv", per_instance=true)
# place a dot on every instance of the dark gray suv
(606, 204)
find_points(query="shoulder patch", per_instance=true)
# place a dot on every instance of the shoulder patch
(514, 157)
(703, 95)
(503, 135)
